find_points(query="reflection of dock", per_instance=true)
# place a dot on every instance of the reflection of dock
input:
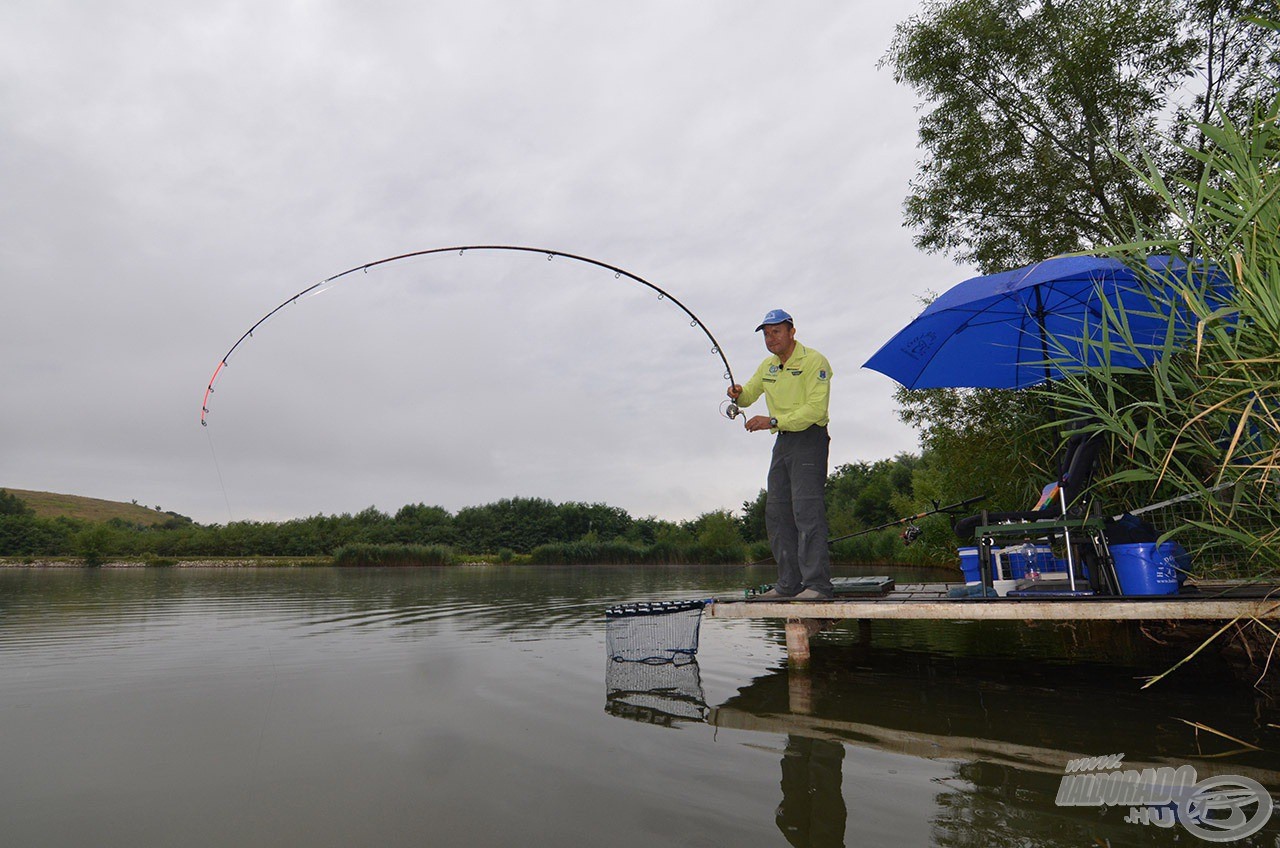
(970, 711)
(1211, 601)
(961, 748)
(921, 706)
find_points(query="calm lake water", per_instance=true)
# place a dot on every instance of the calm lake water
(475, 706)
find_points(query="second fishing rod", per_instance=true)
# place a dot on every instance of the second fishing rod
(908, 537)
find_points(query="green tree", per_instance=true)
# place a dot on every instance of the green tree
(752, 522)
(579, 519)
(867, 494)
(520, 524)
(95, 543)
(1033, 107)
(1030, 103)
(11, 504)
(982, 442)
(1034, 111)
(719, 539)
(1237, 69)
(424, 525)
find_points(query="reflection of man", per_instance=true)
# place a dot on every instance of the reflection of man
(796, 383)
(812, 812)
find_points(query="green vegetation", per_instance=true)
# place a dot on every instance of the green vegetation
(1034, 109)
(982, 441)
(1034, 115)
(11, 504)
(376, 555)
(54, 505)
(510, 530)
(1208, 415)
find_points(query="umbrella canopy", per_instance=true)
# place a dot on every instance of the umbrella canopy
(1022, 327)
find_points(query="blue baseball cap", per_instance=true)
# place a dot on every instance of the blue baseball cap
(776, 316)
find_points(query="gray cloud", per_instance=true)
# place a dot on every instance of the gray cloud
(172, 171)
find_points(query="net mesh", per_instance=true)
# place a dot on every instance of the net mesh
(653, 633)
(1245, 508)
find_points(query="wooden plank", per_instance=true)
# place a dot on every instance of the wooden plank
(992, 609)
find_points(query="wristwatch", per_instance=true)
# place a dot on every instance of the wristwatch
(773, 422)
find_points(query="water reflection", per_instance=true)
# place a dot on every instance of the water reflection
(812, 813)
(999, 737)
(461, 706)
(663, 694)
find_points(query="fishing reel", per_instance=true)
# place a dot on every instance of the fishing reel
(729, 409)
(911, 534)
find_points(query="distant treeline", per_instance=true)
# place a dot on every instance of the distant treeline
(527, 529)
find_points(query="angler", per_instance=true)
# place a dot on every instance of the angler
(796, 383)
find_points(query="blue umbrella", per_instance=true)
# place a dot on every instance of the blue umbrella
(1022, 327)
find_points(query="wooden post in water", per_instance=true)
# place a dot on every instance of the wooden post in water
(798, 631)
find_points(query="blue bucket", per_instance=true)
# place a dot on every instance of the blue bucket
(1173, 553)
(1144, 569)
(970, 564)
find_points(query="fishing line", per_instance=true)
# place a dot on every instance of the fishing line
(731, 411)
(217, 466)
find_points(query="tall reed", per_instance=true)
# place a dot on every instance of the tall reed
(1204, 418)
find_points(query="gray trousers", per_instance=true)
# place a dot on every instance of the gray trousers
(795, 513)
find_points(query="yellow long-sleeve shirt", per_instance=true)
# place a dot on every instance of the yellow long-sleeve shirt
(797, 394)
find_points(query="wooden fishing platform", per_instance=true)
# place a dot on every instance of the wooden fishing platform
(1219, 600)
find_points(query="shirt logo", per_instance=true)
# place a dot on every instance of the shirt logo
(795, 373)
(773, 369)
(822, 374)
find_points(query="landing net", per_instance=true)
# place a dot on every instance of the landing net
(656, 632)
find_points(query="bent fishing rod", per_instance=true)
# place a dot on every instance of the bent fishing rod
(729, 411)
(948, 509)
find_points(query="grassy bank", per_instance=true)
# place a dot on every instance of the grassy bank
(81, 508)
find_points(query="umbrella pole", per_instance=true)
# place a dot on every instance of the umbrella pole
(1044, 343)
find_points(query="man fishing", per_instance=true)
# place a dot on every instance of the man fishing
(796, 383)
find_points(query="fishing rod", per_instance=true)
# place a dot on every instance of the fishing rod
(949, 508)
(936, 509)
(694, 320)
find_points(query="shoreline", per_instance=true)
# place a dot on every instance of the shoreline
(220, 562)
(327, 562)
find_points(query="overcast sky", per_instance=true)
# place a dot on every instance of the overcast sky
(172, 171)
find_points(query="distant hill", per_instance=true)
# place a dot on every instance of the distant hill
(53, 505)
